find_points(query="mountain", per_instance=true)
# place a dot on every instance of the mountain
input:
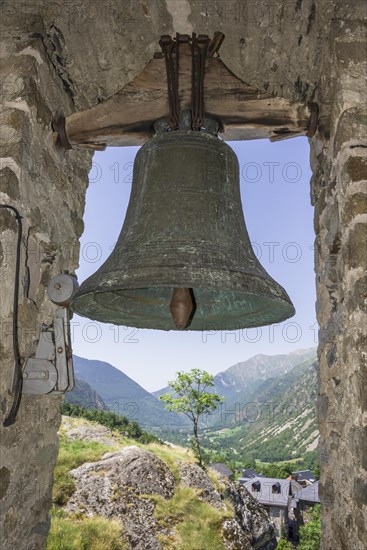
(84, 395)
(269, 412)
(278, 421)
(242, 382)
(124, 396)
(246, 376)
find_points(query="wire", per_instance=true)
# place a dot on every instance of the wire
(18, 374)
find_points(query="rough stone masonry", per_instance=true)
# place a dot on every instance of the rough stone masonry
(67, 56)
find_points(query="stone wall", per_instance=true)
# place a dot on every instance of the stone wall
(48, 189)
(339, 190)
(64, 56)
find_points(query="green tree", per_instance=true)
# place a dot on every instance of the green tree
(284, 545)
(275, 470)
(249, 464)
(310, 532)
(190, 397)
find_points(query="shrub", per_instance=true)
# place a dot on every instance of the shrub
(284, 545)
(310, 533)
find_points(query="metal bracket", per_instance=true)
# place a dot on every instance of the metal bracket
(51, 370)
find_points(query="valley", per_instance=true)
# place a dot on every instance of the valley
(268, 414)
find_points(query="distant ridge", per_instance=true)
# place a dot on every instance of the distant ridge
(284, 382)
(237, 381)
(277, 421)
(261, 396)
(124, 396)
(85, 396)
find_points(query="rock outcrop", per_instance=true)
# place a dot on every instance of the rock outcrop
(89, 432)
(113, 488)
(251, 516)
(119, 487)
(250, 527)
(193, 476)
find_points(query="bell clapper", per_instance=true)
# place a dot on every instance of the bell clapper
(181, 307)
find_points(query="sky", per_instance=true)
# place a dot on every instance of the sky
(275, 192)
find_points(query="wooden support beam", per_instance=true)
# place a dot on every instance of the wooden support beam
(127, 117)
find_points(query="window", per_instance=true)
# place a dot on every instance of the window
(256, 487)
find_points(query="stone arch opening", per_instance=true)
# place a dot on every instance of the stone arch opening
(316, 53)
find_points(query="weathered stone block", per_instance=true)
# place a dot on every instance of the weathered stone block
(9, 183)
(357, 296)
(355, 205)
(351, 128)
(355, 247)
(355, 169)
(8, 222)
(361, 393)
(350, 53)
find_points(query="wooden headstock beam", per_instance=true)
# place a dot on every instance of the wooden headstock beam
(127, 117)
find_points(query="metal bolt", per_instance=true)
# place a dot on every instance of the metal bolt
(57, 286)
(59, 350)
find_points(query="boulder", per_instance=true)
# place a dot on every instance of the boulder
(235, 538)
(193, 476)
(114, 487)
(251, 516)
(90, 432)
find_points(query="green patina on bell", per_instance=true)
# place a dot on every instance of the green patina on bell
(184, 229)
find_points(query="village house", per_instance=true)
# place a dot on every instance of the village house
(221, 469)
(304, 477)
(275, 495)
(249, 473)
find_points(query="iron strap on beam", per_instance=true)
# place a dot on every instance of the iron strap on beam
(169, 48)
(199, 46)
(199, 50)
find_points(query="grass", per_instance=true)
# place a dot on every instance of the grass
(71, 455)
(279, 463)
(215, 479)
(196, 524)
(69, 532)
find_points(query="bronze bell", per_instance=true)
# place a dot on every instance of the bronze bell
(183, 258)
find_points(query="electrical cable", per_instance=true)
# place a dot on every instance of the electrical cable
(18, 374)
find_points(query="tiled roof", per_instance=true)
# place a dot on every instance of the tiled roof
(249, 473)
(269, 487)
(221, 468)
(308, 494)
(304, 475)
